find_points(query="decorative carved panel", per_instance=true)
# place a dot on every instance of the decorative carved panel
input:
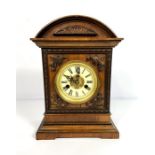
(56, 61)
(94, 105)
(98, 61)
(75, 30)
(97, 101)
(55, 104)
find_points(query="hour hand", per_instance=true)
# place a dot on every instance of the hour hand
(68, 77)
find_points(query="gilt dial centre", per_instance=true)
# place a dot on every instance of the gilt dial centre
(77, 81)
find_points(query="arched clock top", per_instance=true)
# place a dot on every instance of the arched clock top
(75, 29)
(75, 25)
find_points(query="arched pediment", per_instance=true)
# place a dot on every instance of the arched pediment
(76, 31)
(76, 26)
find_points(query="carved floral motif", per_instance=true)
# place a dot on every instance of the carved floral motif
(98, 61)
(58, 101)
(56, 61)
(97, 101)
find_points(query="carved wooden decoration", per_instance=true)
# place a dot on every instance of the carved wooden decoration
(58, 101)
(98, 61)
(97, 102)
(75, 30)
(81, 41)
(56, 61)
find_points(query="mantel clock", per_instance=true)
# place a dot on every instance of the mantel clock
(76, 53)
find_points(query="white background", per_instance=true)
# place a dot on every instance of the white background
(132, 90)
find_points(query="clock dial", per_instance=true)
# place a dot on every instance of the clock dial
(76, 82)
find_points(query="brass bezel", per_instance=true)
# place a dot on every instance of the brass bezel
(76, 101)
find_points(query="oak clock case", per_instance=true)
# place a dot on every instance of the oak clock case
(77, 53)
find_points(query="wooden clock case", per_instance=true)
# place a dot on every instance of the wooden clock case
(76, 38)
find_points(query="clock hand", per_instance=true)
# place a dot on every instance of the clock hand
(68, 77)
(77, 78)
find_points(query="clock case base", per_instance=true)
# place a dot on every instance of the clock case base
(102, 127)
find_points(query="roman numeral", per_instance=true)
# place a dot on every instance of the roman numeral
(83, 70)
(77, 69)
(69, 69)
(83, 92)
(87, 75)
(65, 88)
(87, 87)
(76, 94)
(63, 81)
(70, 92)
(90, 81)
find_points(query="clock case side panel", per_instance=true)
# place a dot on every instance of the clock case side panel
(108, 80)
(46, 81)
(106, 51)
